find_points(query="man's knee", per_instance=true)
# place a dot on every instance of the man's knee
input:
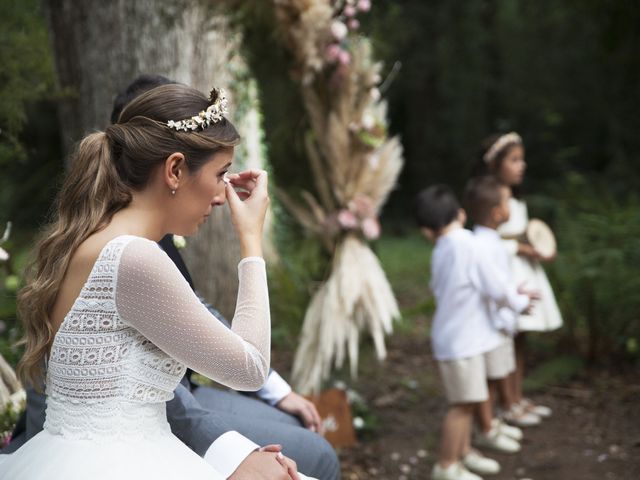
(329, 461)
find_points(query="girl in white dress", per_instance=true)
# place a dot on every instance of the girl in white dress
(111, 319)
(504, 157)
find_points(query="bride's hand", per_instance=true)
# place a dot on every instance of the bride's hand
(248, 208)
(263, 466)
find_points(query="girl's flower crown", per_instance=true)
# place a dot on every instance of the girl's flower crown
(500, 143)
(213, 114)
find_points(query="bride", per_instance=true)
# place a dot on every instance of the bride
(110, 322)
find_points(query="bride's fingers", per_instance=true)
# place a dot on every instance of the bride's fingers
(248, 184)
(254, 186)
(232, 197)
(248, 179)
(290, 465)
(243, 195)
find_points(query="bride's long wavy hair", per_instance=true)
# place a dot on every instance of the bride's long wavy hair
(106, 168)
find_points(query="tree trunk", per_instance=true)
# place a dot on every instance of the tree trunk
(101, 46)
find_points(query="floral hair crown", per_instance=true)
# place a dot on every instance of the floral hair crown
(213, 114)
(499, 144)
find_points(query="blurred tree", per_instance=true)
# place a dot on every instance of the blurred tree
(26, 82)
(102, 46)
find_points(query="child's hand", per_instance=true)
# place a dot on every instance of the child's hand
(533, 295)
(526, 250)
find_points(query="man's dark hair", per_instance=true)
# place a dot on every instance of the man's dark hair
(436, 207)
(482, 194)
(141, 84)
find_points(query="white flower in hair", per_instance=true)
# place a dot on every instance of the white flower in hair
(213, 114)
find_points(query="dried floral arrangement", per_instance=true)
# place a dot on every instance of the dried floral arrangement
(355, 165)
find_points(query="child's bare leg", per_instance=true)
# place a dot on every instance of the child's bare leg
(456, 427)
(511, 382)
(519, 373)
(484, 410)
(505, 388)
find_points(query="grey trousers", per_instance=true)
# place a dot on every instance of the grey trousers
(267, 425)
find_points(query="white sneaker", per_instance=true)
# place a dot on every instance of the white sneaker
(508, 430)
(455, 471)
(478, 463)
(520, 418)
(539, 410)
(498, 441)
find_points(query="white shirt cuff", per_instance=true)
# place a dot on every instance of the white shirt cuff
(274, 389)
(228, 452)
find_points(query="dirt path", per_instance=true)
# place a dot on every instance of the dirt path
(594, 433)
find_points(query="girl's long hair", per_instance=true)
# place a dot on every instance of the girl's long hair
(105, 169)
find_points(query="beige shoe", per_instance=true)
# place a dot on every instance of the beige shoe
(476, 462)
(539, 410)
(508, 430)
(455, 471)
(496, 440)
(519, 417)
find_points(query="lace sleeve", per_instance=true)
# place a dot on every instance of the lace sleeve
(153, 297)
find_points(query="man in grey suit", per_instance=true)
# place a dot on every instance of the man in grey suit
(204, 418)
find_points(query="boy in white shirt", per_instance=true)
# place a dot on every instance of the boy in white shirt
(462, 333)
(487, 202)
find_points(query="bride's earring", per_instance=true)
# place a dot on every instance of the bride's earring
(173, 192)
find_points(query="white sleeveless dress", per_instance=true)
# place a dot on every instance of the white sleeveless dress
(546, 314)
(118, 356)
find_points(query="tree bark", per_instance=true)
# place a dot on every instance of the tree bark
(101, 46)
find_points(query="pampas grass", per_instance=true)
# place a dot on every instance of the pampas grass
(355, 166)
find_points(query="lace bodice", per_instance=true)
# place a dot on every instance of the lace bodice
(124, 345)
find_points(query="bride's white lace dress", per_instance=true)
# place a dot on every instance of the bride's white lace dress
(118, 356)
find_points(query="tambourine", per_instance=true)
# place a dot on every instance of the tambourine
(541, 238)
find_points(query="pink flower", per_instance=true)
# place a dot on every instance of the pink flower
(347, 219)
(371, 228)
(332, 53)
(364, 5)
(363, 206)
(354, 24)
(344, 57)
(349, 11)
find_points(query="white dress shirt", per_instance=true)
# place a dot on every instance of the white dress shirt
(490, 246)
(463, 281)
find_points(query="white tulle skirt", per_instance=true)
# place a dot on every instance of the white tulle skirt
(54, 457)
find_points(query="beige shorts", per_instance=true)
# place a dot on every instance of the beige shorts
(501, 361)
(465, 379)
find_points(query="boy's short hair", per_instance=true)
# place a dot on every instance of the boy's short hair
(436, 207)
(482, 195)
